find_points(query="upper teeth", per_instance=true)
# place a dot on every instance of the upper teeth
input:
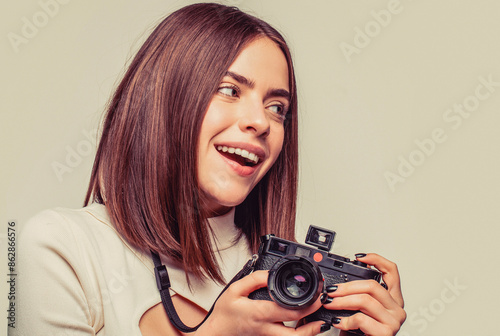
(241, 152)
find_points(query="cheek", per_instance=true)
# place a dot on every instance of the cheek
(277, 141)
(217, 113)
(213, 120)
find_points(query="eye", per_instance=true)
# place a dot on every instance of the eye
(229, 90)
(279, 109)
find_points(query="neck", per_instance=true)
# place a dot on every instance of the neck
(219, 212)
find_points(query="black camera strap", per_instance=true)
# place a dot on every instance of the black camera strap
(163, 283)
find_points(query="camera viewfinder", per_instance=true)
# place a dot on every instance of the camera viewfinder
(278, 247)
(321, 238)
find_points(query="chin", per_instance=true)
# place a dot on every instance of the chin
(228, 200)
(232, 201)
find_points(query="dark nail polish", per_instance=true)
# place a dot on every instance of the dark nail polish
(360, 255)
(335, 320)
(325, 327)
(331, 289)
(325, 299)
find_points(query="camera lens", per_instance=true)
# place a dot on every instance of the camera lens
(295, 282)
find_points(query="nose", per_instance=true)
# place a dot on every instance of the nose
(254, 119)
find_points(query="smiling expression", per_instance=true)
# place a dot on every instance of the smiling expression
(242, 132)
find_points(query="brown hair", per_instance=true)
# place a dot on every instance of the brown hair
(145, 168)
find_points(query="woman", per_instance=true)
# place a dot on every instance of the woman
(197, 160)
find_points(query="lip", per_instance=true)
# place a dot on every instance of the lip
(239, 169)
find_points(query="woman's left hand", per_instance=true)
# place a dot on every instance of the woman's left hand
(381, 310)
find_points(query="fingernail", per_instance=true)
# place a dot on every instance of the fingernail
(331, 289)
(335, 320)
(325, 299)
(325, 327)
(360, 255)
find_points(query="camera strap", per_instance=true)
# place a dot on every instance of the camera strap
(163, 283)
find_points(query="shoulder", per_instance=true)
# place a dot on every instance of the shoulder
(79, 236)
(76, 270)
(69, 217)
(63, 225)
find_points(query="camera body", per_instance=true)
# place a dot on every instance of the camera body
(298, 274)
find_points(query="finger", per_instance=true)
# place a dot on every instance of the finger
(309, 329)
(366, 324)
(250, 283)
(390, 274)
(276, 313)
(313, 328)
(273, 312)
(369, 306)
(387, 267)
(369, 287)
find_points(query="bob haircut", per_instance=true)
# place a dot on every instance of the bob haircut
(145, 167)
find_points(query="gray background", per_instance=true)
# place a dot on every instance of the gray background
(380, 84)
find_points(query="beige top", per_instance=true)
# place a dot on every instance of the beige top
(77, 276)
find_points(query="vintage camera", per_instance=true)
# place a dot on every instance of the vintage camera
(299, 273)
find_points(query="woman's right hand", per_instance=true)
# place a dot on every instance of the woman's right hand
(236, 314)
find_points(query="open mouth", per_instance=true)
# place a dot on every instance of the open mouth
(240, 156)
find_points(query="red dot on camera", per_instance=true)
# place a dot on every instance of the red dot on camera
(318, 257)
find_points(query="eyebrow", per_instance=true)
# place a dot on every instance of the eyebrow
(251, 84)
(241, 79)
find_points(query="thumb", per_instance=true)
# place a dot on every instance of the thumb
(250, 283)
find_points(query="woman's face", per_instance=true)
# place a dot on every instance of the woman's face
(242, 132)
